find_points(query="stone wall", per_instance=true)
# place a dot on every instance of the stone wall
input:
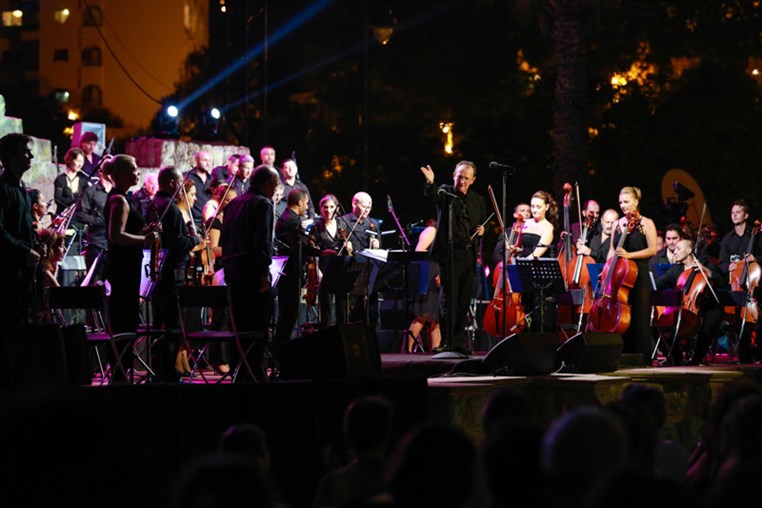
(156, 153)
(151, 154)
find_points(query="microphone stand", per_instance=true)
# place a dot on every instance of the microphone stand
(406, 245)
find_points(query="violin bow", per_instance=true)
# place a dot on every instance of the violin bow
(706, 279)
(363, 215)
(579, 206)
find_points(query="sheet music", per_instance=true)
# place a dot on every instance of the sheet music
(377, 254)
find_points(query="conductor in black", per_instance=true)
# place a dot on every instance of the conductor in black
(455, 247)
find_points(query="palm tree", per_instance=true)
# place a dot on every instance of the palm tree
(566, 21)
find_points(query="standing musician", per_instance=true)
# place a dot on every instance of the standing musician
(202, 179)
(711, 311)
(240, 180)
(178, 239)
(290, 180)
(591, 209)
(90, 211)
(70, 184)
(226, 171)
(363, 232)
(87, 144)
(639, 246)
(247, 247)
(17, 238)
(125, 226)
(733, 252)
(536, 241)
(469, 211)
(330, 238)
(290, 238)
(598, 244)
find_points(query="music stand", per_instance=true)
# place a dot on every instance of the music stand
(541, 274)
(341, 276)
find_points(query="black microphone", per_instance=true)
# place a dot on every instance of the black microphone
(443, 192)
(497, 165)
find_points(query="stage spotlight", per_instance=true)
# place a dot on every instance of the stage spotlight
(215, 113)
(172, 111)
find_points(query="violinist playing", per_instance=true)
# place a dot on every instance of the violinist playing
(683, 275)
(329, 237)
(290, 240)
(639, 246)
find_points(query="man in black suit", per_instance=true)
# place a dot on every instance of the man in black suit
(17, 238)
(457, 255)
(247, 247)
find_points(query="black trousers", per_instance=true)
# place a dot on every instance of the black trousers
(252, 312)
(460, 283)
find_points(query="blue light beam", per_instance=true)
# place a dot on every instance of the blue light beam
(294, 23)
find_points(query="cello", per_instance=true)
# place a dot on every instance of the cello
(745, 277)
(499, 318)
(580, 278)
(611, 311)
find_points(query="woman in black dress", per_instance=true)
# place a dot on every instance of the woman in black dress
(639, 246)
(124, 224)
(328, 235)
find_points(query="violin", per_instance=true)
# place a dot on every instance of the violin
(207, 259)
(610, 312)
(745, 277)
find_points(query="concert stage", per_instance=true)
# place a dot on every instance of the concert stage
(81, 445)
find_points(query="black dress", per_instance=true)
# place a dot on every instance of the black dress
(324, 240)
(123, 265)
(637, 338)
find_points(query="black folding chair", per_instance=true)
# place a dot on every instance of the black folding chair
(92, 299)
(217, 298)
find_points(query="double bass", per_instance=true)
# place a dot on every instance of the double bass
(505, 315)
(579, 278)
(611, 311)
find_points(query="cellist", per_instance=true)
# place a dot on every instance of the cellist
(734, 250)
(597, 245)
(639, 246)
(711, 311)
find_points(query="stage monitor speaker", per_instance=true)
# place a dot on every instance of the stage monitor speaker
(340, 351)
(523, 354)
(590, 352)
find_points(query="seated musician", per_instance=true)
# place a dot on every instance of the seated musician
(710, 316)
(330, 238)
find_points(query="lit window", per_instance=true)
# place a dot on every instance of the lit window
(93, 16)
(91, 56)
(61, 55)
(61, 16)
(61, 96)
(92, 95)
(13, 18)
